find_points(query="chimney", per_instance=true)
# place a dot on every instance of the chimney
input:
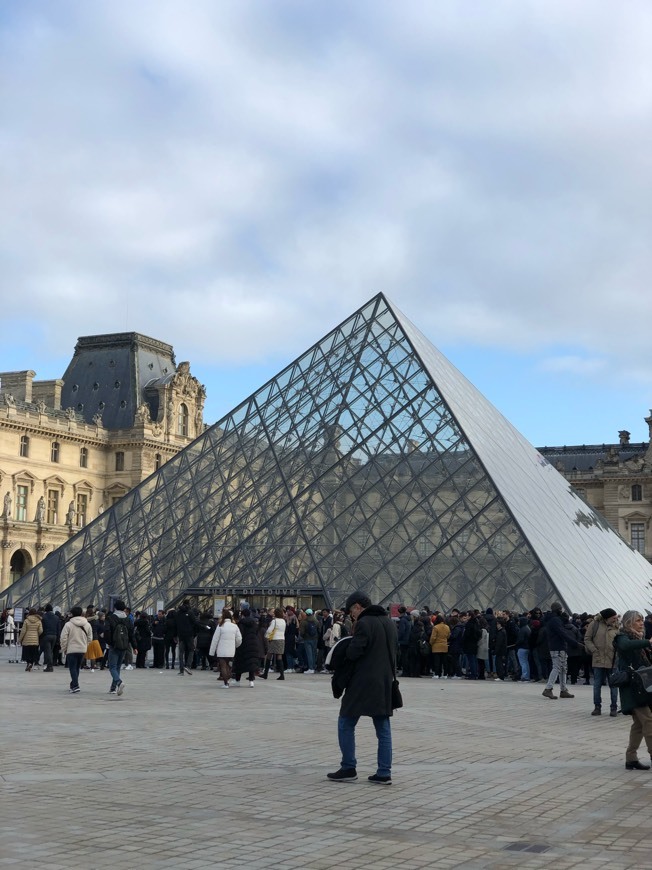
(624, 437)
(18, 384)
(48, 392)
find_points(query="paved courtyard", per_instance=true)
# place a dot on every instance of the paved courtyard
(179, 773)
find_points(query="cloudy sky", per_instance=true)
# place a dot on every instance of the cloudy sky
(237, 177)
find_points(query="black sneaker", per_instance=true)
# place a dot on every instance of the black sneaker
(188, 671)
(341, 775)
(636, 765)
(380, 780)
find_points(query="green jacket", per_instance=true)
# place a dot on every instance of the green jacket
(630, 653)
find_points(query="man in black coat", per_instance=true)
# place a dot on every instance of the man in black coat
(187, 628)
(372, 652)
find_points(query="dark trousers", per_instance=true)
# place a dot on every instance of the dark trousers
(157, 646)
(186, 652)
(170, 647)
(439, 663)
(47, 644)
(74, 660)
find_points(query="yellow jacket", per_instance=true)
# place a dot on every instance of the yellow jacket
(439, 638)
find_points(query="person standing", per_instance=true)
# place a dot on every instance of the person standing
(309, 631)
(634, 652)
(143, 635)
(170, 643)
(275, 636)
(75, 638)
(439, 646)
(158, 640)
(119, 638)
(30, 635)
(558, 638)
(249, 653)
(599, 641)
(50, 623)
(187, 627)
(226, 639)
(371, 652)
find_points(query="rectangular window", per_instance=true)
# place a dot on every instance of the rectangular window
(81, 510)
(115, 499)
(119, 461)
(24, 445)
(83, 457)
(638, 536)
(52, 507)
(54, 451)
(21, 504)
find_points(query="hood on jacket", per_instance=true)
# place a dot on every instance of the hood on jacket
(78, 620)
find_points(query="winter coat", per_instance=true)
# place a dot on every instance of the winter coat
(439, 638)
(31, 631)
(372, 649)
(303, 628)
(276, 629)
(500, 648)
(187, 623)
(599, 642)
(50, 623)
(226, 639)
(76, 635)
(560, 638)
(455, 639)
(143, 635)
(483, 645)
(472, 634)
(250, 652)
(170, 633)
(523, 636)
(636, 654)
(404, 628)
(577, 650)
(111, 622)
(205, 634)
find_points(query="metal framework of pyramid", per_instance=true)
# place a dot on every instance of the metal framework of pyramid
(368, 463)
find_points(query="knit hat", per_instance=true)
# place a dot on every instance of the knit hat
(556, 607)
(358, 597)
(607, 613)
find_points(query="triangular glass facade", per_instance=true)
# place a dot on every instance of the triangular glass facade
(368, 463)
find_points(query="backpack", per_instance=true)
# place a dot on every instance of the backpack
(311, 629)
(120, 635)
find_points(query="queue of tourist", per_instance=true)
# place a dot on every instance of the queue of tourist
(534, 646)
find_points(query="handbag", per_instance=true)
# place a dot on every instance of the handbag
(273, 632)
(642, 680)
(397, 698)
(620, 679)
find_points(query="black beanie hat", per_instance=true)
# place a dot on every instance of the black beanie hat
(607, 613)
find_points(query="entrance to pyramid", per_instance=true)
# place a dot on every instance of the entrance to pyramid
(215, 600)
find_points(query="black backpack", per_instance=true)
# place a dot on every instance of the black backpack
(120, 639)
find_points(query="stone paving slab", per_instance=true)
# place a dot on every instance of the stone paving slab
(179, 773)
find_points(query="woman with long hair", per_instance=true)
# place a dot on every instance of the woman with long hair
(275, 636)
(94, 652)
(226, 639)
(634, 651)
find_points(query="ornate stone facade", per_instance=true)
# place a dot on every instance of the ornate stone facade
(615, 479)
(60, 467)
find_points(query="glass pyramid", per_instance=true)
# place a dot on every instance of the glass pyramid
(368, 463)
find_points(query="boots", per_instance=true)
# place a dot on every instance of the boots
(566, 694)
(547, 693)
(265, 674)
(596, 711)
(281, 671)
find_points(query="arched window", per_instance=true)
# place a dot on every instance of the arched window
(637, 492)
(24, 445)
(54, 451)
(83, 457)
(182, 420)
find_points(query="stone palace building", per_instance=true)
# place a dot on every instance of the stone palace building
(71, 447)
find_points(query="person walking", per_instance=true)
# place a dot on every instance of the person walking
(30, 638)
(275, 636)
(119, 636)
(76, 635)
(187, 628)
(634, 651)
(371, 653)
(226, 639)
(599, 641)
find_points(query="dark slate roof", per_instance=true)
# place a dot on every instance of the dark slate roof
(108, 375)
(585, 457)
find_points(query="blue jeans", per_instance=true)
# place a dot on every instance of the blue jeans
(310, 649)
(74, 660)
(524, 662)
(346, 737)
(599, 680)
(115, 662)
(471, 667)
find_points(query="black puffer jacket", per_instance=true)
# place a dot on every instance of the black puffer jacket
(373, 651)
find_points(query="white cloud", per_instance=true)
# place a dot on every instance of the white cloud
(241, 175)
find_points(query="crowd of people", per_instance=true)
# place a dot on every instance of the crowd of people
(534, 646)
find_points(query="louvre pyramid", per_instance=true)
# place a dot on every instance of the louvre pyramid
(370, 462)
